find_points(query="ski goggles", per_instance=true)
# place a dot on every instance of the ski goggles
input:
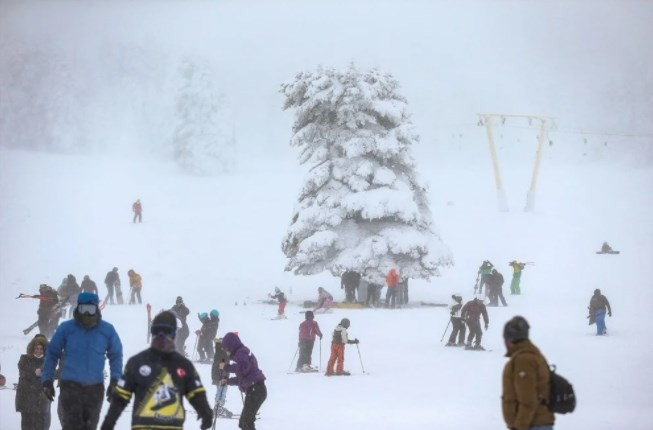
(163, 330)
(87, 309)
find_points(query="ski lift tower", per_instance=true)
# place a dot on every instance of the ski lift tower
(488, 120)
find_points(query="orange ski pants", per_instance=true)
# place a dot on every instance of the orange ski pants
(337, 354)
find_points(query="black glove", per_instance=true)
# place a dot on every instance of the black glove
(112, 385)
(106, 426)
(48, 390)
(355, 341)
(207, 422)
(486, 327)
(610, 313)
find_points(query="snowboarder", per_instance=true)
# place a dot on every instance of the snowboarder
(181, 312)
(32, 404)
(135, 285)
(517, 268)
(338, 342)
(137, 208)
(217, 375)
(525, 386)
(483, 276)
(249, 378)
(391, 280)
(457, 324)
(324, 301)
(88, 286)
(112, 281)
(83, 343)
(471, 314)
(495, 286)
(159, 378)
(308, 329)
(597, 307)
(206, 334)
(350, 281)
(281, 297)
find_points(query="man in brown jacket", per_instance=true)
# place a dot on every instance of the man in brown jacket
(525, 381)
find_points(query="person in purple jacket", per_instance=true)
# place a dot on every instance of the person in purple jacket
(248, 377)
(307, 332)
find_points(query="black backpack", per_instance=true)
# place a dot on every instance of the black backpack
(562, 399)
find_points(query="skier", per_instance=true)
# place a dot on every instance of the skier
(484, 272)
(159, 378)
(206, 335)
(88, 286)
(391, 280)
(82, 343)
(66, 296)
(281, 297)
(32, 404)
(471, 314)
(112, 280)
(495, 285)
(457, 324)
(597, 307)
(517, 268)
(324, 301)
(308, 329)
(217, 375)
(606, 248)
(137, 208)
(181, 312)
(135, 285)
(338, 342)
(48, 311)
(525, 387)
(350, 281)
(249, 378)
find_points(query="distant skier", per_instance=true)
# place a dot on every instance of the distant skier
(338, 342)
(181, 312)
(483, 277)
(598, 305)
(471, 314)
(350, 281)
(606, 248)
(324, 301)
(217, 375)
(137, 208)
(32, 404)
(281, 297)
(48, 311)
(68, 293)
(457, 323)
(88, 286)
(112, 281)
(391, 280)
(308, 329)
(495, 286)
(135, 285)
(207, 333)
(517, 268)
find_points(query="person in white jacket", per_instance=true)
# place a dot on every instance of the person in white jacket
(456, 321)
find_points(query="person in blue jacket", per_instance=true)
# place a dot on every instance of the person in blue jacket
(82, 343)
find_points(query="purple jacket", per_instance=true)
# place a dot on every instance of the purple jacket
(245, 369)
(308, 329)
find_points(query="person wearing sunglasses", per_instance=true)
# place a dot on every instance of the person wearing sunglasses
(83, 344)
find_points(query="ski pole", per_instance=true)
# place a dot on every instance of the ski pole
(360, 358)
(320, 354)
(293, 359)
(195, 347)
(445, 330)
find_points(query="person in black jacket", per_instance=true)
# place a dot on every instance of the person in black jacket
(457, 323)
(597, 307)
(88, 286)
(112, 280)
(181, 312)
(495, 284)
(32, 404)
(221, 356)
(471, 314)
(350, 281)
(206, 334)
(159, 378)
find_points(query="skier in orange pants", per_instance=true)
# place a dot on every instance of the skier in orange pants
(340, 338)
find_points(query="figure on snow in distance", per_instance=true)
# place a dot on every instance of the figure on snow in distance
(605, 247)
(517, 268)
(350, 281)
(457, 323)
(112, 281)
(248, 377)
(32, 404)
(483, 277)
(48, 312)
(88, 286)
(207, 333)
(217, 375)
(137, 208)
(495, 285)
(324, 301)
(471, 314)
(308, 329)
(338, 342)
(598, 304)
(181, 312)
(68, 292)
(281, 297)
(392, 280)
(135, 285)
(159, 378)
(373, 292)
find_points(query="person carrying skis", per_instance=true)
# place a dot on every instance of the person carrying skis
(391, 280)
(48, 311)
(159, 378)
(471, 314)
(483, 276)
(217, 375)
(112, 280)
(457, 323)
(308, 329)
(137, 208)
(349, 281)
(495, 285)
(338, 342)
(88, 286)
(247, 375)
(83, 343)
(281, 297)
(181, 312)
(517, 268)
(136, 285)
(324, 301)
(32, 404)
(598, 304)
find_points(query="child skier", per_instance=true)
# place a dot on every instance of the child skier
(281, 297)
(340, 338)
(324, 301)
(307, 331)
(457, 323)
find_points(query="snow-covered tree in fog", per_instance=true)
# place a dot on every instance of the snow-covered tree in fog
(203, 140)
(362, 206)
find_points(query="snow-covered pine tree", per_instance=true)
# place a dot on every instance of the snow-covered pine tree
(362, 207)
(203, 139)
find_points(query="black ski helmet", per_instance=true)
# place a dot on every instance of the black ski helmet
(516, 329)
(345, 322)
(310, 315)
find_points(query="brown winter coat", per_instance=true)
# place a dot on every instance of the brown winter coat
(525, 388)
(29, 395)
